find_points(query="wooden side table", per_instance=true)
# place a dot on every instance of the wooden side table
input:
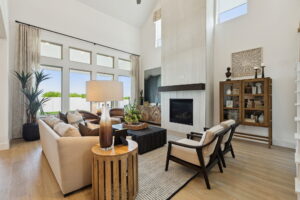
(115, 172)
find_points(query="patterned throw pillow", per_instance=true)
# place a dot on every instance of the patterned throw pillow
(66, 130)
(51, 121)
(75, 118)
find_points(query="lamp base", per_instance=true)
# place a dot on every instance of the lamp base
(106, 131)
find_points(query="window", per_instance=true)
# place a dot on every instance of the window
(77, 94)
(52, 89)
(81, 56)
(157, 33)
(105, 61)
(230, 9)
(104, 77)
(124, 64)
(126, 80)
(51, 50)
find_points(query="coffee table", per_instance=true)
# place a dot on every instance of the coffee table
(148, 139)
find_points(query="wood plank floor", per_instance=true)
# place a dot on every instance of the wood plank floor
(256, 173)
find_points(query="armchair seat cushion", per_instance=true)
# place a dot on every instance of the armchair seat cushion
(187, 154)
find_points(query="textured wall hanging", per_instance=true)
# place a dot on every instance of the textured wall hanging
(243, 62)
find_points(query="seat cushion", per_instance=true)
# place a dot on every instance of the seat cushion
(187, 154)
(208, 137)
(226, 136)
(51, 121)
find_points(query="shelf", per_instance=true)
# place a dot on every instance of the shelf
(227, 108)
(254, 95)
(232, 95)
(255, 124)
(254, 109)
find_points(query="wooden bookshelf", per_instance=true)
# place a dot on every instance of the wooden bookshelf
(248, 101)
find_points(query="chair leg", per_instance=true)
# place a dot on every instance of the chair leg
(204, 171)
(220, 165)
(167, 163)
(232, 152)
(222, 159)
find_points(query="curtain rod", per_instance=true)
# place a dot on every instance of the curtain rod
(70, 36)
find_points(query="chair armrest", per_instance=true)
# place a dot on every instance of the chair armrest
(205, 128)
(191, 136)
(194, 133)
(184, 145)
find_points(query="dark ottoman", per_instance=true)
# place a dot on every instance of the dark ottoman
(149, 139)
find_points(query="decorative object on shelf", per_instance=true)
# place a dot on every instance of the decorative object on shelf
(229, 104)
(248, 89)
(235, 91)
(228, 91)
(132, 114)
(243, 62)
(104, 91)
(259, 88)
(261, 118)
(136, 127)
(256, 71)
(33, 103)
(254, 90)
(141, 97)
(228, 74)
(263, 70)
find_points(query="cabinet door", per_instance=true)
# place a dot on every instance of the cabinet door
(230, 100)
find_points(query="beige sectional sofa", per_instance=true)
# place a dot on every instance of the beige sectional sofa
(70, 158)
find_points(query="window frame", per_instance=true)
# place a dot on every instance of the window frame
(123, 59)
(78, 49)
(158, 42)
(113, 60)
(113, 75)
(53, 43)
(219, 13)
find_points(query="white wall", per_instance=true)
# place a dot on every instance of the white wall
(4, 50)
(272, 25)
(150, 56)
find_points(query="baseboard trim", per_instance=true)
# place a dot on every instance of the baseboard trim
(4, 146)
(283, 143)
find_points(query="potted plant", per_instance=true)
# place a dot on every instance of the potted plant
(132, 114)
(33, 103)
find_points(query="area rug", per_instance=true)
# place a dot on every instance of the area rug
(154, 182)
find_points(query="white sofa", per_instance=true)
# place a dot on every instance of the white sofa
(70, 158)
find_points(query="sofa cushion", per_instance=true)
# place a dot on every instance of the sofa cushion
(66, 130)
(86, 131)
(75, 118)
(187, 154)
(51, 121)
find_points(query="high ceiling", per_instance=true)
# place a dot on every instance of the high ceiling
(126, 10)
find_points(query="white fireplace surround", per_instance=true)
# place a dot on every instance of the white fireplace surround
(198, 110)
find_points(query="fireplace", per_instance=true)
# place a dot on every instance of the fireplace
(181, 111)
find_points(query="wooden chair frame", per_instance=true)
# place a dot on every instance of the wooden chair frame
(214, 158)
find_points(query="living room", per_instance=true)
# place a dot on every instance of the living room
(160, 99)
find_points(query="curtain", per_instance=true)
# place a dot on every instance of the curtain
(135, 62)
(28, 59)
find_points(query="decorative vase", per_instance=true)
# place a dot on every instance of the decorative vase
(254, 90)
(259, 89)
(105, 129)
(261, 118)
(31, 132)
(228, 91)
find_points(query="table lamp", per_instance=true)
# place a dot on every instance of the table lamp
(103, 91)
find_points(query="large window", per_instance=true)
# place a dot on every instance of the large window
(77, 94)
(105, 61)
(157, 33)
(126, 80)
(230, 9)
(81, 56)
(52, 50)
(124, 64)
(52, 89)
(104, 77)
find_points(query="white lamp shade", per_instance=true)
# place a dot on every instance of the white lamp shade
(102, 91)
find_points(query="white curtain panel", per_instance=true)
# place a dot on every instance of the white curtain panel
(135, 62)
(225, 5)
(27, 60)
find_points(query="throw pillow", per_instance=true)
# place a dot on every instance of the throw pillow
(75, 118)
(51, 121)
(85, 131)
(92, 126)
(66, 130)
(63, 117)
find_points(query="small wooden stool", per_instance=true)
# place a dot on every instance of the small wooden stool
(113, 169)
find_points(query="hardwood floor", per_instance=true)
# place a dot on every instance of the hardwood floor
(256, 173)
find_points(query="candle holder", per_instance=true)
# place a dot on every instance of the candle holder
(256, 71)
(263, 71)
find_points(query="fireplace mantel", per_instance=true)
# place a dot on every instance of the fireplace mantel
(197, 86)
